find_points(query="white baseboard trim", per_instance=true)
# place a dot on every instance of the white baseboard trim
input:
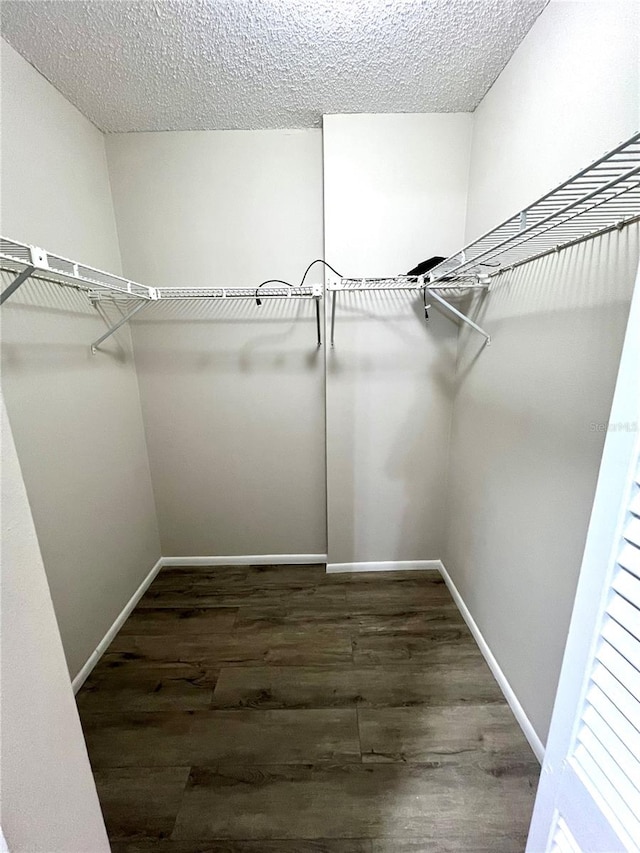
(332, 568)
(248, 560)
(386, 566)
(95, 656)
(518, 711)
(243, 560)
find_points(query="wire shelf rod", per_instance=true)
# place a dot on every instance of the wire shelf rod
(36, 275)
(603, 196)
(492, 252)
(575, 227)
(617, 226)
(66, 280)
(399, 283)
(612, 181)
(164, 293)
(58, 269)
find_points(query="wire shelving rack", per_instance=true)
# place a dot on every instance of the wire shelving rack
(31, 262)
(601, 197)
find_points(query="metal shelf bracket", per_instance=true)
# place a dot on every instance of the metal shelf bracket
(481, 282)
(460, 315)
(317, 292)
(600, 198)
(16, 283)
(116, 326)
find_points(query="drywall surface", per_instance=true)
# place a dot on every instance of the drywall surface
(528, 429)
(76, 418)
(570, 92)
(395, 194)
(49, 799)
(233, 393)
(242, 64)
(530, 409)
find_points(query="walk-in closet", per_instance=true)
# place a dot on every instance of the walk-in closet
(321, 391)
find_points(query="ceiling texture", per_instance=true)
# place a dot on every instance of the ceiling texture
(250, 64)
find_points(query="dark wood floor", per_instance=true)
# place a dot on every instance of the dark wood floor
(277, 709)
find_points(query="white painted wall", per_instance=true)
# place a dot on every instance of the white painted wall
(49, 799)
(524, 455)
(76, 417)
(395, 193)
(570, 92)
(232, 394)
(561, 791)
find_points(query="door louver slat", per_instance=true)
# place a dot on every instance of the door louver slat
(563, 840)
(616, 718)
(630, 559)
(628, 586)
(618, 694)
(621, 668)
(623, 641)
(625, 614)
(622, 756)
(632, 531)
(610, 768)
(607, 750)
(606, 792)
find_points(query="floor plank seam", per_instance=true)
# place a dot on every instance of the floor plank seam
(257, 675)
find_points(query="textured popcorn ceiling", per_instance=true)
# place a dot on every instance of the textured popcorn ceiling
(265, 63)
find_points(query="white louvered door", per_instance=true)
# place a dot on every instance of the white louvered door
(589, 794)
(606, 754)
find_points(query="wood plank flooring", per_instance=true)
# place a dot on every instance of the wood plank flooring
(278, 709)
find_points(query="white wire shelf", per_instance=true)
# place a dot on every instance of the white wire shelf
(599, 198)
(460, 287)
(19, 257)
(410, 283)
(163, 294)
(311, 292)
(44, 266)
(31, 262)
